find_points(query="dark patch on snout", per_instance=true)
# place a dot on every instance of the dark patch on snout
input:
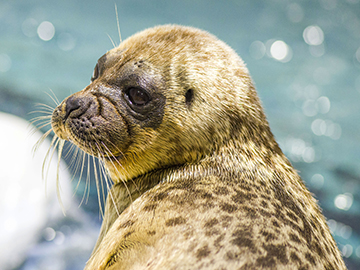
(136, 74)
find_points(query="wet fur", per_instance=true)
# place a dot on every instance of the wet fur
(199, 180)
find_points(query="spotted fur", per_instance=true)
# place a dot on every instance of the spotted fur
(200, 182)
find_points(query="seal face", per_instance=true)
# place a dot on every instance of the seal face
(199, 180)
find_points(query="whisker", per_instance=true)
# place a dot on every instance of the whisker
(58, 187)
(109, 155)
(115, 146)
(41, 140)
(108, 181)
(44, 106)
(74, 161)
(97, 184)
(69, 151)
(117, 22)
(113, 43)
(46, 111)
(88, 178)
(86, 194)
(105, 174)
(47, 159)
(39, 126)
(48, 156)
(83, 156)
(53, 97)
(34, 127)
(101, 180)
(39, 118)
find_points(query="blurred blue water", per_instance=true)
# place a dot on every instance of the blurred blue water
(304, 57)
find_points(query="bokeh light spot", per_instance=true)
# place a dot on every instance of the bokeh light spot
(323, 104)
(257, 50)
(327, 128)
(308, 154)
(59, 239)
(280, 51)
(29, 27)
(49, 234)
(344, 201)
(345, 231)
(317, 181)
(347, 250)
(357, 252)
(46, 31)
(313, 35)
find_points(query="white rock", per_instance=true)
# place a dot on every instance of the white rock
(25, 206)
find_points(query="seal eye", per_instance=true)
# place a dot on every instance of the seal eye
(95, 74)
(138, 96)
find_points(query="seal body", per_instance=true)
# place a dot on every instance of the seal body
(199, 180)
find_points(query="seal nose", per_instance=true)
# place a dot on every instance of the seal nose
(71, 104)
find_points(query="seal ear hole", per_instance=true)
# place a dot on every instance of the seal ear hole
(189, 96)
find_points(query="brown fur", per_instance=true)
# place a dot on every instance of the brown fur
(200, 182)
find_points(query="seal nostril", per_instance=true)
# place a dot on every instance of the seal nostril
(71, 105)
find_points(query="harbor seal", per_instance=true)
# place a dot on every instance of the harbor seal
(199, 180)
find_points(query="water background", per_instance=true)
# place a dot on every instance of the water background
(304, 57)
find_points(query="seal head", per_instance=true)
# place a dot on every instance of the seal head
(146, 102)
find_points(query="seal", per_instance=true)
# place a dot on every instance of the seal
(199, 180)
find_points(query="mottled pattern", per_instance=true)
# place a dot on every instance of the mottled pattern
(200, 182)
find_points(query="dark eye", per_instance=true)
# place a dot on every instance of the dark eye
(95, 73)
(138, 96)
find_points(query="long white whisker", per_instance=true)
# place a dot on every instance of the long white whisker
(41, 118)
(84, 155)
(58, 188)
(101, 180)
(49, 155)
(74, 161)
(109, 155)
(97, 184)
(46, 111)
(41, 140)
(113, 43)
(117, 161)
(39, 126)
(54, 98)
(106, 179)
(117, 22)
